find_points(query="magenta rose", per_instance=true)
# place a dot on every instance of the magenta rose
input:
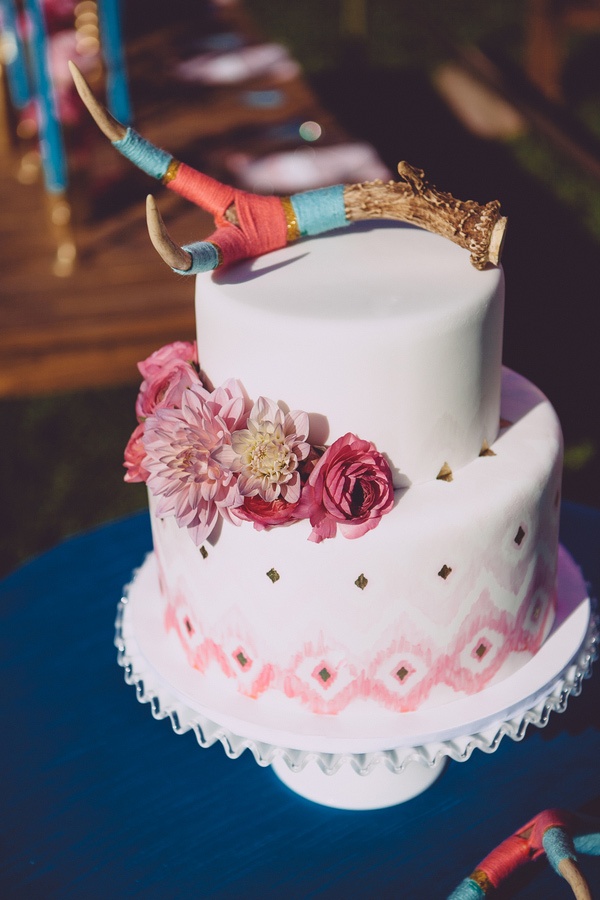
(134, 457)
(165, 388)
(264, 514)
(350, 487)
(184, 350)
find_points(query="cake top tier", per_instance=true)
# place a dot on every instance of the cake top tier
(365, 273)
(385, 331)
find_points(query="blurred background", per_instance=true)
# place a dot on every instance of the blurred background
(494, 101)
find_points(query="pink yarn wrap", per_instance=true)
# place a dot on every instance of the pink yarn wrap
(262, 225)
(523, 846)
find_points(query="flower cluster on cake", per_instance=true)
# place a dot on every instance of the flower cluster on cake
(207, 454)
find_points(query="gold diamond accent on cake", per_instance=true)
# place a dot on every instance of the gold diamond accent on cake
(274, 575)
(402, 673)
(361, 582)
(444, 571)
(486, 450)
(203, 552)
(481, 650)
(172, 170)
(537, 610)
(324, 675)
(445, 473)
(519, 536)
(243, 661)
(188, 626)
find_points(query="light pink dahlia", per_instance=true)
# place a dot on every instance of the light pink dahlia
(266, 453)
(183, 457)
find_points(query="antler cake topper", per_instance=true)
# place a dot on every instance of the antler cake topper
(249, 225)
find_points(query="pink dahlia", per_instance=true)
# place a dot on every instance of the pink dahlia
(135, 454)
(183, 457)
(350, 487)
(266, 454)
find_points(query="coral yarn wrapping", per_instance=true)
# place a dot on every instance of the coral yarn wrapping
(262, 225)
(522, 847)
(203, 190)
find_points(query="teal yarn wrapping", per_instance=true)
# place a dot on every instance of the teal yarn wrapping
(558, 846)
(320, 210)
(588, 843)
(150, 159)
(205, 258)
(467, 890)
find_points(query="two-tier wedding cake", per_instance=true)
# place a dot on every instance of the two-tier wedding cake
(352, 502)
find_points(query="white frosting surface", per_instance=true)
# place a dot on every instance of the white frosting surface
(410, 637)
(382, 330)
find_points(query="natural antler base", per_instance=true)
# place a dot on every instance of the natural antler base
(478, 229)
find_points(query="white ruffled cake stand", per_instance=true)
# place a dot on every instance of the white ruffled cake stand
(369, 760)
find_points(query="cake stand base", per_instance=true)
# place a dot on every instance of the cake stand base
(348, 789)
(366, 762)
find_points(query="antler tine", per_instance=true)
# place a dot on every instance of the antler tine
(167, 249)
(108, 125)
(573, 876)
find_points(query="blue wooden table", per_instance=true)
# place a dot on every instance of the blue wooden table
(100, 800)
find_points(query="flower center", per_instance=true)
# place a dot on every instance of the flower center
(267, 455)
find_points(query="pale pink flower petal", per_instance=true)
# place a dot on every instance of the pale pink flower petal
(183, 449)
(267, 452)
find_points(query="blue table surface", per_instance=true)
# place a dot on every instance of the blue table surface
(100, 800)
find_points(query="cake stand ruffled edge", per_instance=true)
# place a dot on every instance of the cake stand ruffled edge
(163, 704)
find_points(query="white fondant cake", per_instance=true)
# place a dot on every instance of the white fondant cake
(388, 333)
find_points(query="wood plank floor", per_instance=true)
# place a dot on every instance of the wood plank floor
(120, 302)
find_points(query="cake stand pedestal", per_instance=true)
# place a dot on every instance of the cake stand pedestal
(339, 761)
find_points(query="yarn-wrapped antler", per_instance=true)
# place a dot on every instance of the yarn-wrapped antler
(558, 833)
(249, 225)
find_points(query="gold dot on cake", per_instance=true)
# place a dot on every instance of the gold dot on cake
(519, 536)
(444, 571)
(361, 582)
(243, 660)
(203, 552)
(481, 650)
(445, 473)
(274, 575)
(324, 675)
(402, 673)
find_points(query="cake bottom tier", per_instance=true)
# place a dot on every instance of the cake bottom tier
(453, 591)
